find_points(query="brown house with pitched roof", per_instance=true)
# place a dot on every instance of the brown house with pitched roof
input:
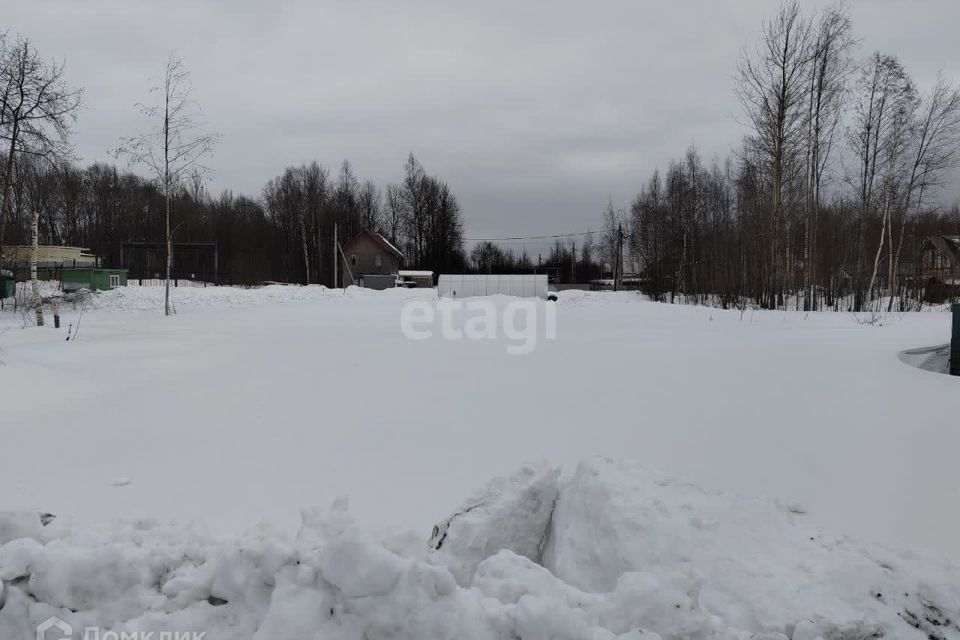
(371, 261)
(940, 267)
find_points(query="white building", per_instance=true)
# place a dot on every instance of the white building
(466, 286)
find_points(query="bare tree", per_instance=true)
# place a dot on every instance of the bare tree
(174, 147)
(772, 87)
(313, 182)
(37, 109)
(830, 64)
(370, 202)
(396, 212)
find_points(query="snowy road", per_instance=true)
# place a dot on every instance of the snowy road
(241, 410)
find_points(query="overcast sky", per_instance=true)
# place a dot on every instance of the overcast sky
(535, 112)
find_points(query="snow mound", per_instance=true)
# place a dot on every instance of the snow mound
(630, 554)
(509, 513)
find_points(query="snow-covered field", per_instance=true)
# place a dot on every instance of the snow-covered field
(252, 404)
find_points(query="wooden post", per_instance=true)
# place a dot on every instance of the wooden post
(336, 257)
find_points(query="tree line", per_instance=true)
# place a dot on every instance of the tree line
(827, 199)
(286, 234)
(566, 261)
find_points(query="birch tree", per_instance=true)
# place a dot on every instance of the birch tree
(883, 108)
(174, 147)
(34, 251)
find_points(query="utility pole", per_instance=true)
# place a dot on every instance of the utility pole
(336, 255)
(573, 262)
(618, 268)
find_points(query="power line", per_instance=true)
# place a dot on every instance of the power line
(558, 235)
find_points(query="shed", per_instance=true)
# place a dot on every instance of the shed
(468, 285)
(410, 279)
(93, 279)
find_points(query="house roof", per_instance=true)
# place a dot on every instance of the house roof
(947, 245)
(380, 240)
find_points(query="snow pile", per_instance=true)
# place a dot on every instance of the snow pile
(510, 513)
(629, 554)
(20, 524)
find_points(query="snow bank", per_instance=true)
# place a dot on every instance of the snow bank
(150, 298)
(191, 295)
(630, 554)
(749, 565)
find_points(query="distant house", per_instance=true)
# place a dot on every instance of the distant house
(940, 267)
(371, 261)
